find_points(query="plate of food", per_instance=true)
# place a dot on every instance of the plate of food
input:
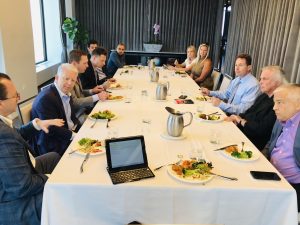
(180, 72)
(115, 86)
(203, 98)
(88, 145)
(103, 115)
(236, 152)
(211, 118)
(113, 98)
(191, 171)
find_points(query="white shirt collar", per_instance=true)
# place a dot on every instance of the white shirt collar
(61, 94)
(7, 121)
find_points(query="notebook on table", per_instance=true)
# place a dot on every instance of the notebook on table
(127, 159)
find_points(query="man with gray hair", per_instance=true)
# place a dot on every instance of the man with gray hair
(283, 149)
(55, 102)
(257, 122)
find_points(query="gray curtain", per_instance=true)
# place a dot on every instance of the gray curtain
(182, 22)
(269, 31)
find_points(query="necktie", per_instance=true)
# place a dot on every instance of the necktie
(231, 98)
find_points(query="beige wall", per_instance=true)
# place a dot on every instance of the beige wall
(17, 45)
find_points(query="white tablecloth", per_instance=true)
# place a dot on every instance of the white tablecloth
(90, 198)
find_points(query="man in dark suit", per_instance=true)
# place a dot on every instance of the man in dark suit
(257, 122)
(283, 149)
(22, 177)
(84, 99)
(94, 75)
(55, 102)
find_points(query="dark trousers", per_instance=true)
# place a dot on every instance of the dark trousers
(46, 163)
(297, 188)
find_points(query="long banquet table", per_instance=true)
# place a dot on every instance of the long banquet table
(71, 197)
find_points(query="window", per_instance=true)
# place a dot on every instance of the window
(37, 17)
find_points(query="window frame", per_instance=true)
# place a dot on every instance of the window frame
(43, 33)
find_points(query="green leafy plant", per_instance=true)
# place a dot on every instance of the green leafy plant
(75, 32)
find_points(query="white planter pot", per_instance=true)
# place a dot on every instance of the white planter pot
(152, 47)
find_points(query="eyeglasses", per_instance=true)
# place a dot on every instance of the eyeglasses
(17, 96)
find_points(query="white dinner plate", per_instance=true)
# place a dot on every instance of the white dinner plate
(78, 152)
(167, 136)
(189, 179)
(209, 121)
(255, 155)
(91, 118)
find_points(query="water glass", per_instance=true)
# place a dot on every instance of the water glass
(201, 107)
(144, 95)
(215, 137)
(196, 151)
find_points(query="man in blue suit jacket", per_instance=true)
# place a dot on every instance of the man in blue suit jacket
(55, 102)
(21, 182)
(283, 148)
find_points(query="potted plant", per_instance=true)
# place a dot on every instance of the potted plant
(154, 45)
(75, 32)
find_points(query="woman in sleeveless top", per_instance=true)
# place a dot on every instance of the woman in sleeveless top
(201, 71)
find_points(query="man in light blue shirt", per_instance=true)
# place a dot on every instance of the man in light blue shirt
(242, 91)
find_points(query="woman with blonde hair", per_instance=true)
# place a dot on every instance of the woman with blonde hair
(202, 69)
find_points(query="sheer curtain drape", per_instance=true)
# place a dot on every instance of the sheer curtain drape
(269, 31)
(182, 22)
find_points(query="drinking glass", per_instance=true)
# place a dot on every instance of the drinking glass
(215, 137)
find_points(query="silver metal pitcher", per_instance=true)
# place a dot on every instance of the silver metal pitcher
(175, 123)
(162, 90)
(154, 75)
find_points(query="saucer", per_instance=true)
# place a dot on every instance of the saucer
(166, 136)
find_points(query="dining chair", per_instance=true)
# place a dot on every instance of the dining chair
(24, 109)
(216, 76)
(225, 82)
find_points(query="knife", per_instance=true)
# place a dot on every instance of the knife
(84, 162)
(223, 148)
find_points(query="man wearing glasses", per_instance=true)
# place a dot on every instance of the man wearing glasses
(22, 177)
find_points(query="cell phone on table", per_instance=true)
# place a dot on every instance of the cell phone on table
(264, 175)
(182, 97)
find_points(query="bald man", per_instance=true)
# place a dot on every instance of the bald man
(55, 102)
(283, 149)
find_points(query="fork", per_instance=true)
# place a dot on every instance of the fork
(229, 178)
(169, 164)
(107, 126)
(87, 156)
